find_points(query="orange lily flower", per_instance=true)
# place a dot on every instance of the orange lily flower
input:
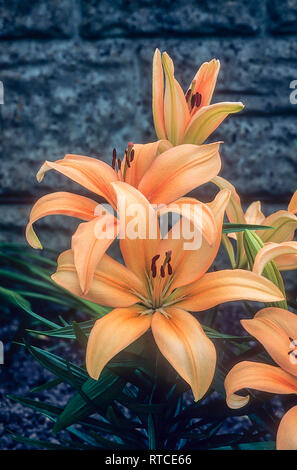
(276, 329)
(160, 283)
(161, 177)
(284, 255)
(283, 221)
(187, 118)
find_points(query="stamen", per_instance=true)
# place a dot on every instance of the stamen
(167, 261)
(188, 94)
(153, 265)
(162, 271)
(198, 99)
(193, 100)
(119, 164)
(114, 157)
(132, 155)
(128, 158)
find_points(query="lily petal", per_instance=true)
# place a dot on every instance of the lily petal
(59, 203)
(144, 155)
(113, 333)
(207, 119)
(274, 327)
(183, 342)
(292, 207)
(139, 229)
(235, 215)
(199, 214)
(205, 81)
(234, 210)
(190, 265)
(258, 376)
(286, 438)
(113, 284)
(89, 243)
(179, 170)
(285, 254)
(158, 95)
(176, 111)
(90, 173)
(284, 223)
(225, 286)
(254, 215)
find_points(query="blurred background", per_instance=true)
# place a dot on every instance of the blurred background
(77, 79)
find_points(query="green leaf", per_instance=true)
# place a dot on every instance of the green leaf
(211, 333)
(252, 245)
(14, 298)
(231, 228)
(19, 301)
(46, 386)
(268, 445)
(35, 442)
(63, 369)
(67, 331)
(80, 335)
(99, 394)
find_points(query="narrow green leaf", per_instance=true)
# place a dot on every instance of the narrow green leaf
(100, 393)
(252, 245)
(231, 228)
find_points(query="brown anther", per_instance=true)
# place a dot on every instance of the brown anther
(114, 157)
(193, 100)
(198, 99)
(119, 163)
(132, 155)
(167, 261)
(188, 94)
(162, 271)
(153, 265)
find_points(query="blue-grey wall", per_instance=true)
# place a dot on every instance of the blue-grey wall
(77, 79)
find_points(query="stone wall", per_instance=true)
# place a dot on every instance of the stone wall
(77, 79)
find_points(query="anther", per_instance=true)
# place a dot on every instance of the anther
(153, 265)
(162, 271)
(114, 157)
(198, 99)
(167, 261)
(188, 94)
(132, 155)
(119, 163)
